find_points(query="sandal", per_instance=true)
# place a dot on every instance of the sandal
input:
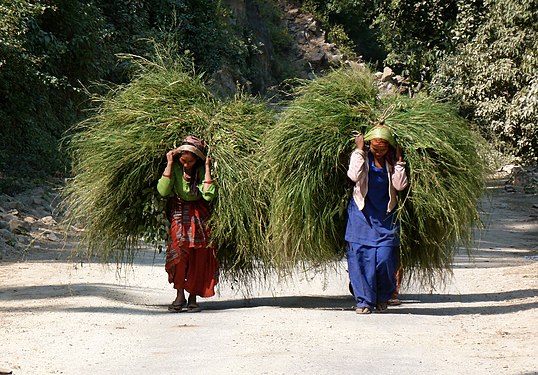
(363, 310)
(176, 306)
(394, 302)
(193, 307)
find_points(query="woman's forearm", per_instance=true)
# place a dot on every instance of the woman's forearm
(168, 170)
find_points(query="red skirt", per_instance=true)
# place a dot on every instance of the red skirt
(191, 257)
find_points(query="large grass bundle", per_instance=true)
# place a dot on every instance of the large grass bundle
(119, 154)
(241, 208)
(447, 172)
(307, 155)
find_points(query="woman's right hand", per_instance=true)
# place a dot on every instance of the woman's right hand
(170, 156)
(359, 141)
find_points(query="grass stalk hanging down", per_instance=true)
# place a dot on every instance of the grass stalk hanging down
(119, 154)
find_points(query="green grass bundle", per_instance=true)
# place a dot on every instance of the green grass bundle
(305, 155)
(119, 154)
(447, 172)
(240, 213)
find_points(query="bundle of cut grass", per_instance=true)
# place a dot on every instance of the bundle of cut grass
(240, 211)
(119, 154)
(307, 155)
(447, 172)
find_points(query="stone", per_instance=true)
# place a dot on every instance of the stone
(17, 226)
(30, 219)
(313, 27)
(355, 64)
(13, 206)
(509, 189)
(333, 59)
(7, 236)
(23, 240)
(315, 56)
(49, 220)
(399, 79)
(387, 75)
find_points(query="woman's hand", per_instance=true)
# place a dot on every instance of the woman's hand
(359, 141)
(169, 162)
(170, 156)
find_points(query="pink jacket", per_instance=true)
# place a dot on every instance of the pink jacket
(358, 173)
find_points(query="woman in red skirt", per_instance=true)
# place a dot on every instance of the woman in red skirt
(191, 261)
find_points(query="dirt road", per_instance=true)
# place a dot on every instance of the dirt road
(57, 317)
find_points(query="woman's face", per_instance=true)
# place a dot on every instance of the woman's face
(379, 147)
(187, 160)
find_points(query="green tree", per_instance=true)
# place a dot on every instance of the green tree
(51, 49)
(417, 34)
(494, 75)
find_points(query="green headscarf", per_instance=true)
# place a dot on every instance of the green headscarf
(381, 132)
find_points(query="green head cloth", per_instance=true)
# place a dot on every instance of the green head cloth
(381, 132)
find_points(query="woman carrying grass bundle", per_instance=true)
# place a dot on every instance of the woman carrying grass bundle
(191, 261)
(372, 231)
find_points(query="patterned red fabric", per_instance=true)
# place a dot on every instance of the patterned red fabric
(191, 261)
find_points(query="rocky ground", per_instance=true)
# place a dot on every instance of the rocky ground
(62, 316)
(29, 222)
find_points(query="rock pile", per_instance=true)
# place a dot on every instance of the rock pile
(313, 54)
(522, 178)
(29, 220)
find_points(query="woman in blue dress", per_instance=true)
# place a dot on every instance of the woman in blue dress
(372, 232)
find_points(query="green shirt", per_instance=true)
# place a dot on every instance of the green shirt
(177, 185)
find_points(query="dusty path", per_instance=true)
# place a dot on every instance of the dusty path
(57, 317)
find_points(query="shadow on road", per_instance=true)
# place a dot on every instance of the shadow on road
(417, 304)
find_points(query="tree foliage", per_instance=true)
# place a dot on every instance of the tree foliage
(50, 50)
(494, 76)
(415, 33)
(482, 54)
